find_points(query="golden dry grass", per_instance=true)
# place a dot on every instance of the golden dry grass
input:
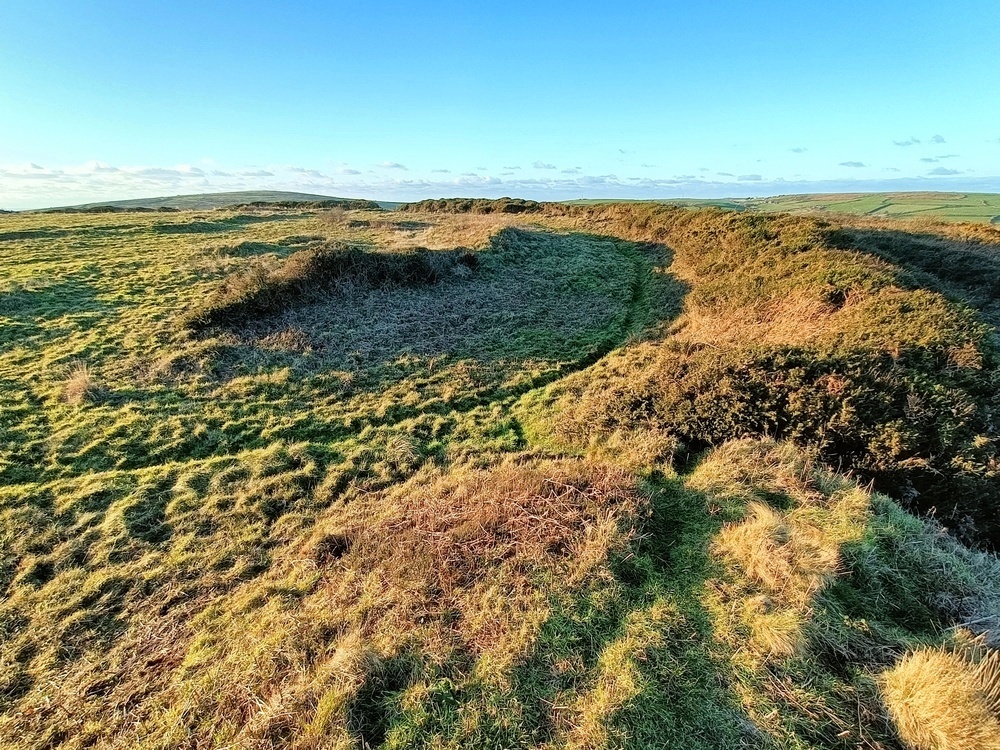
(780, 557)
(940, 701)
(81, 386)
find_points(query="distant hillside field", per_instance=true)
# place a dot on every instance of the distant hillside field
(498, 474)
(957, 207)
(205, 201)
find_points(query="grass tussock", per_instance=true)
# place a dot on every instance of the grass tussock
(941, 700)
(82, 386)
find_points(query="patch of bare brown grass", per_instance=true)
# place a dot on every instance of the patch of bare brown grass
(449, 570)
(468, 544)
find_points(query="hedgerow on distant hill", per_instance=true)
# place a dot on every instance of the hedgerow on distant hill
(473, 206)
(497, 474)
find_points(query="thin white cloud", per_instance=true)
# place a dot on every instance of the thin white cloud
(855, 164)
(943, 171)
(938, 139)
(392, 165)
(308, 172)
(23, 186)
(543, 165)
(909, 142)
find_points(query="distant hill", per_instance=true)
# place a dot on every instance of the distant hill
(977, 207)
(983, 207)
(204, 201)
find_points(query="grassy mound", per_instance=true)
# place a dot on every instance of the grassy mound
(585, 495)
(791, 332)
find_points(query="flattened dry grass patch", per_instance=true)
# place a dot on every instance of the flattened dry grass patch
(475, 544)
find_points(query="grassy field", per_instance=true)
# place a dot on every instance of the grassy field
(951, 207)
(600, 476)
(956, 207)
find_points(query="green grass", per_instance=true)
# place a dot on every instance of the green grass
(937, 206)
(466, 508)
(950, 207)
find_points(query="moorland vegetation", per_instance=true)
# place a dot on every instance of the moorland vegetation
(495, 475)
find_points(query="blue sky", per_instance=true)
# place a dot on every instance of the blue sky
(114, 99)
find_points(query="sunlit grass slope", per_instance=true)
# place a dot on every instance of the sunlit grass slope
(564, 477)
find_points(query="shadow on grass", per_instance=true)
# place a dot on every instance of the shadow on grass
(42, 233)
(536, 300)
(48, 300)
(220, 225)
(968, 271)
(623, 663)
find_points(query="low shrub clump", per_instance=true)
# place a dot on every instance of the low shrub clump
(347, 204)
